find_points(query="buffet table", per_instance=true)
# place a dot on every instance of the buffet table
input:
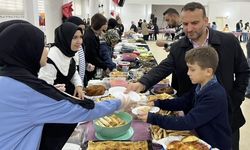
(141, 133)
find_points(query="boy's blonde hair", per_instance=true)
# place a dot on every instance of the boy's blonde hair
(205, 57)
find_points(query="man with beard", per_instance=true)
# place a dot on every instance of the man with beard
(172, 18)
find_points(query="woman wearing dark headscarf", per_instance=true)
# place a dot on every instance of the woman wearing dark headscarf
(111, 38)
(5, 24)
(29, 102)
(61, 67)
(112, 23)
(80, 55)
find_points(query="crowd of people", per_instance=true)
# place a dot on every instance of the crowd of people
(148, 30)
(209, 71)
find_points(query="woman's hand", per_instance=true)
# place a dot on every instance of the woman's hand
(60, 87)
(90, 67)
(79, 92)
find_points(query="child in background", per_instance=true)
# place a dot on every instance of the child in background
(206, 103)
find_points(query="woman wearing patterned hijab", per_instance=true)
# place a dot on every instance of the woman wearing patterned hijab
(111, 38)
(28, 102)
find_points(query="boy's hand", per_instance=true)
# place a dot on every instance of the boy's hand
(150, 103)
(142, 116)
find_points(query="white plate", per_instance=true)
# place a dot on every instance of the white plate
(71, 146)
(165, 141)
(152, 110)
(118, 92)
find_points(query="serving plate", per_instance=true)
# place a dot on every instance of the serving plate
(137, 110)
(118, 92)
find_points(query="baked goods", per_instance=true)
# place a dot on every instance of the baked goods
(110, 121)
(163, 96)
(176, 145)
(190, 138)
(118, 145)
(180, 145)
(159, 133)
(95, 90)
(144, 109)
(109, 97)
(118, 74)
(160, 90)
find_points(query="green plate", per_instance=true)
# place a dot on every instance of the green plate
(125, 136)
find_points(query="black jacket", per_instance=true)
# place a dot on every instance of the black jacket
(232, 72)
(92, 49)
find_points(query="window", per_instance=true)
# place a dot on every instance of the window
(41, 8)
(11, 7)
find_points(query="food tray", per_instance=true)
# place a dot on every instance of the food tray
(113, 145)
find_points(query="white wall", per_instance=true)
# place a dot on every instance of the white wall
(234, 10)
(158, 11)
(134, 12)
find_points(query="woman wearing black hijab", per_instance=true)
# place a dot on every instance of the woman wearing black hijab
(80, 55)
(61, 67)
(28, 102)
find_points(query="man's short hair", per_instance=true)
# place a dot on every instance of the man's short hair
(171, 11)
(97, 21)
(194, 5)
(205, 57)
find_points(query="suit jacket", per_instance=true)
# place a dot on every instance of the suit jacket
(232, 71)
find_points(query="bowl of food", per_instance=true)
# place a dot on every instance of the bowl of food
(113, 126)
(118, 74)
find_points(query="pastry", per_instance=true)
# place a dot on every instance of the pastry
(117, 145)
(180, 145)
(95, 90)
(190, 138)
(175, 145)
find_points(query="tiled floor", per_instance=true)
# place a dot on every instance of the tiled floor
(160, 54)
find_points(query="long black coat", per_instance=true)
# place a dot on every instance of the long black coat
(232, 72)
(92, 49)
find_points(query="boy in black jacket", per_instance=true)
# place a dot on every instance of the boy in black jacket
(206, 103)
